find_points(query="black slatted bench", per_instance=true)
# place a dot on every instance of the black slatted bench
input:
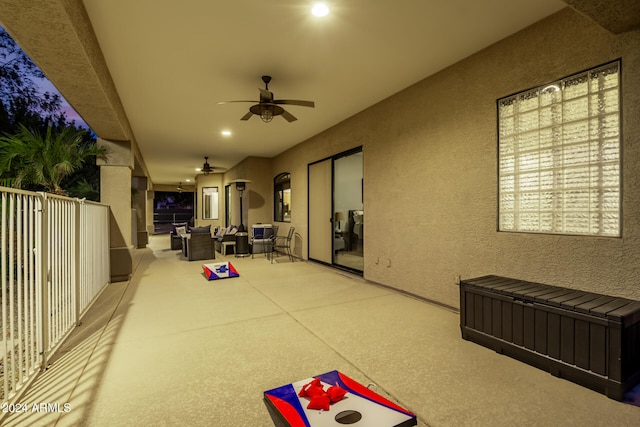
(588, 338)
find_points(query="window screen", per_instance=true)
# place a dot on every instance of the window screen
(559, 156)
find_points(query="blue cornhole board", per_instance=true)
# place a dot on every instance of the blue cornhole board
(219, 270)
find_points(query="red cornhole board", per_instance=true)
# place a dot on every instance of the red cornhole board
(288, 409)
(219, 270)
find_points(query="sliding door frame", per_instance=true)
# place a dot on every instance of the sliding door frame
(329, 213)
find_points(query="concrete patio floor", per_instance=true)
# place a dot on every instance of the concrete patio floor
(169, 348)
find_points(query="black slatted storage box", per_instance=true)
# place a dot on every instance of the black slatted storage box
(588, 338)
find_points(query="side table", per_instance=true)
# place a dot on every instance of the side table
(242, 244)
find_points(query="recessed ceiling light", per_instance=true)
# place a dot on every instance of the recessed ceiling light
(226, 133)
(198, 170)
(320, 9)
(188, 180)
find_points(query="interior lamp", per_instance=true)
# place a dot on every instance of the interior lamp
(339, 216)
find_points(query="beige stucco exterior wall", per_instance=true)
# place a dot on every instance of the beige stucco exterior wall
(430, 171)
(258, 197)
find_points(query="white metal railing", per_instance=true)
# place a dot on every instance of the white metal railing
(55, 262)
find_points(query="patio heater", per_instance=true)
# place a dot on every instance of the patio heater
(242, 237)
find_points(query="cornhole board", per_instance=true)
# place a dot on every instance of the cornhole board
(219, 270)
(287, 409)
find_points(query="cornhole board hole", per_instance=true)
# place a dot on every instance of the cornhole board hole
(219, 270)
(360, 407)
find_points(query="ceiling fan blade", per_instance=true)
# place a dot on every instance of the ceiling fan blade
(288, 116)
(295, 102)
(230, 102)
(247, 116)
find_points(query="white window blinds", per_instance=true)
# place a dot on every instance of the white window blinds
(559, 156)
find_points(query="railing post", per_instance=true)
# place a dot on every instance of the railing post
(4, 299)
(79, 205)
(45, 277)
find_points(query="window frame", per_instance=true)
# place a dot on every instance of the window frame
(509, 174)
(281, 183)
(210, 203)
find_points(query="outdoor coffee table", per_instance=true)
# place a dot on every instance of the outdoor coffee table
(360, 407)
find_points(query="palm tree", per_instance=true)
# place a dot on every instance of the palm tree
(29, 158)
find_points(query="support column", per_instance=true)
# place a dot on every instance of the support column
(115, 190)
(139, 200)
(150, 206)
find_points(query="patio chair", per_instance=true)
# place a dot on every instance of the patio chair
(261, 238)
(200, 246)
(284, 243)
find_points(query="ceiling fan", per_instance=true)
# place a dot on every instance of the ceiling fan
(206, 167)
(267, 108)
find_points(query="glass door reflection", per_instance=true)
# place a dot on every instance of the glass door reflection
(348, 212)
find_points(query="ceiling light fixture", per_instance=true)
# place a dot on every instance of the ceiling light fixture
(320, 10)
(266, 112)
(206, 168)
(226, 133)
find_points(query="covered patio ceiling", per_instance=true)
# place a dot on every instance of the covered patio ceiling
(153, 72)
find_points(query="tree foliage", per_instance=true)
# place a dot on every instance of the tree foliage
(22, 100)
(38, 159)
(31, 115)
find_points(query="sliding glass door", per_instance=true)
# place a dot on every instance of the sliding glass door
(348, 211)
(336, 211)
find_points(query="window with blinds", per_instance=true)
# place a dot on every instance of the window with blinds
(559, 156)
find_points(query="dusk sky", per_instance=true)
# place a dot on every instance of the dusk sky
(46, 86)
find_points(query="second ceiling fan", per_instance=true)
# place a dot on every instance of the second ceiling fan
(268, 108)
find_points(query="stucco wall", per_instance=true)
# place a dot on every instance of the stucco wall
(258, 197)
(430, 171)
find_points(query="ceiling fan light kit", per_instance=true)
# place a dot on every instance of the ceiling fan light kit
(266, 111)
(268, 108)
